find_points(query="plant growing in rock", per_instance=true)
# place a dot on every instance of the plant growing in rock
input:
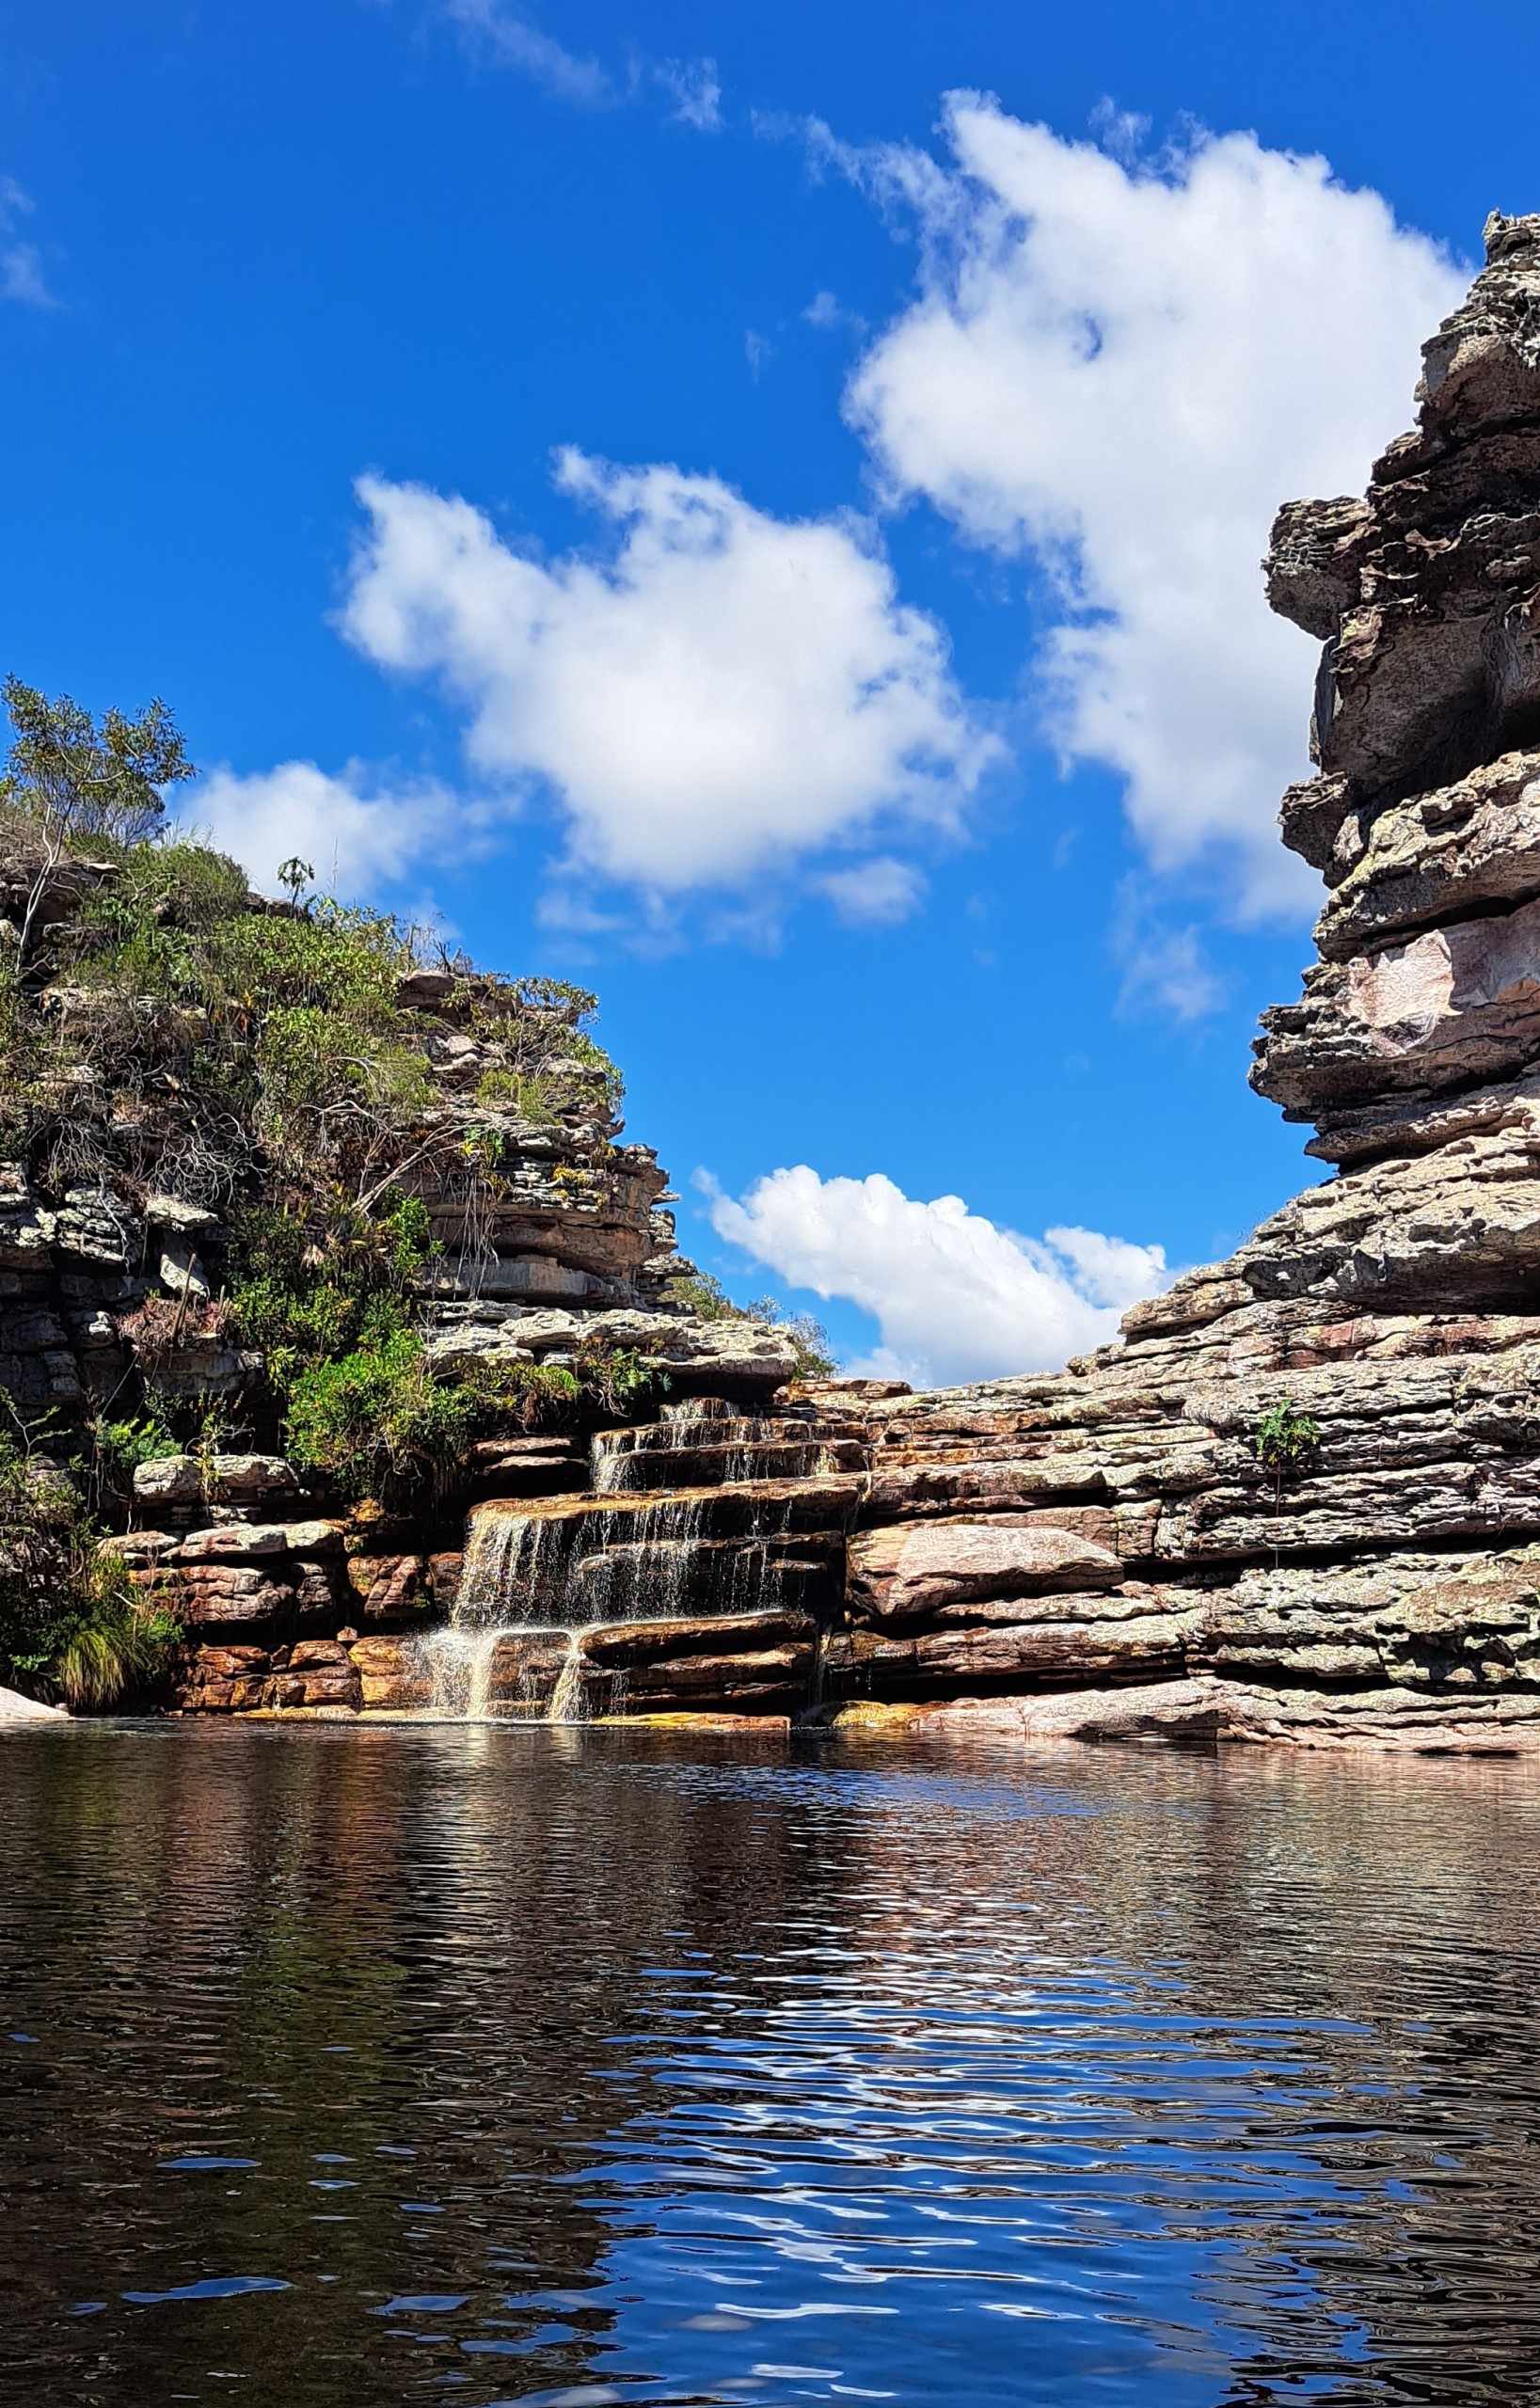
(375, 1421)
(535, 1396)
(622, 1381)
(1283, 1442)
(71, 1619)
(704, 1295)
(117, 1448)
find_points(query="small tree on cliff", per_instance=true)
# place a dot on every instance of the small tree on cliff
(77, 778)
(1283, 1442)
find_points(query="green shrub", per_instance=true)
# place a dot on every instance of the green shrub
(376, 1421)
(120, 1646)
(71, 1619)
(621, 1380)
(1284, 1440)
(701, 1295)
(536, 1396)
(1284, 1443)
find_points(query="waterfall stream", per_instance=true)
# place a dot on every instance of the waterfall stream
(640, 1546)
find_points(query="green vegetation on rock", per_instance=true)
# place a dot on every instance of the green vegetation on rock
(700, 1293)
(71, 1619)
(256, 1158)
(170, 1042)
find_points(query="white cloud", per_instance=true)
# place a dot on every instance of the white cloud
(1121, 368)
(513, 41)
(696, 90)
(955, 1298)
(505, 35)
(875, 893)
(22, 277)
(827, 312)
(1164, 967)
(717, 694)
(356, 834)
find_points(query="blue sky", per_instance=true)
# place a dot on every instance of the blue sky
(806, 585)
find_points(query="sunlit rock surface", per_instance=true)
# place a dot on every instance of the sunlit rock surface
(1098, 1554)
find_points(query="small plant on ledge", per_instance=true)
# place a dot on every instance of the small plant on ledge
(1284, 1441)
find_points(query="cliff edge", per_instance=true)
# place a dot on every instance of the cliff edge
(1311, 1472)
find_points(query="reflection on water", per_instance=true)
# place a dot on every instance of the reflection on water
(484, 2064)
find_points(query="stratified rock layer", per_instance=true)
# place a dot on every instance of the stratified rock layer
(1384, 1591)
(1098, 1554)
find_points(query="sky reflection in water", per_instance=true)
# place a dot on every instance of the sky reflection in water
(350, 2067)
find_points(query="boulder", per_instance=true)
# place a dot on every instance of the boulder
(390, 1585)
(16, 1709)
(245, 1480)
(391, 1675)
(170, 1480)
(236, 1594)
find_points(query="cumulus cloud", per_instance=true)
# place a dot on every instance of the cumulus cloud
(717, 693)
(954, 1296)
(1120, 367)
(358, 833)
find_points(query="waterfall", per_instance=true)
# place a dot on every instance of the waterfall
(544, 1574)
(692, 1517)
(569, 1698)
(723, 1446)
(458, 1661)
(511, 1553)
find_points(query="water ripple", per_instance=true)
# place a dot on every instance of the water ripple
(586, 2067)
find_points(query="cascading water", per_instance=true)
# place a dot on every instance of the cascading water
(719, 1445)
(458, 1658)
(541, 1576)
(569, 1698)
(640, 1548)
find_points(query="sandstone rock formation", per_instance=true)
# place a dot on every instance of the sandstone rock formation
(1393, 1588)
(1100, 1553)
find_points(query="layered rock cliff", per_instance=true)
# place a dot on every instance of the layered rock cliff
(1298, 1499)
(1385, 1582)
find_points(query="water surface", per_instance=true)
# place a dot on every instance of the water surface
(478, 2064)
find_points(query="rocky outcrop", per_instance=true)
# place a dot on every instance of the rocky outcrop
(17, 1709)
(1105, 1553)
(1381, 1588)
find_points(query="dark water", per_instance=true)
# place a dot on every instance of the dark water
(484, 2064)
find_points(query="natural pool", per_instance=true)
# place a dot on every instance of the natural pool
(481, 2064)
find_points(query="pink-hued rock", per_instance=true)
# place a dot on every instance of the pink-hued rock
(390, 1585)
(911, 1570)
